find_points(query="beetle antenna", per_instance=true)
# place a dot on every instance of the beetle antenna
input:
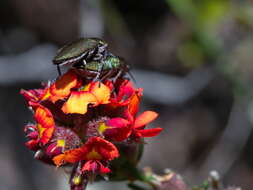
(131, 76)
(59, 70)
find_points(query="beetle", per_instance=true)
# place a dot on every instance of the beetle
(109, 67)
(83, 49)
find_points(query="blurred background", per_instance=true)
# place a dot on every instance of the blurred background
(192, 57)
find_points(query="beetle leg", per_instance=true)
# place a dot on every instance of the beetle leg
(98, 56)
(90, 55)
(117, 76)
(84, 63)
(131, 76)
(101, 49)
(97, 76)
(101, 54)
(107, 75)
(99, 73)
(59, 70)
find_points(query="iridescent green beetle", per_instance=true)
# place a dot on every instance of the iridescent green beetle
(91, 59)
(81, 50)
(109, 67)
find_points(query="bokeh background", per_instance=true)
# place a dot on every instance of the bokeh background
(192, 57)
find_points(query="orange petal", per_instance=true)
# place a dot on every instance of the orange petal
(101, 91)
(45, 124)
(145, 118)
(70, 156)
(133, 106)
(78, 102)
(61, 88)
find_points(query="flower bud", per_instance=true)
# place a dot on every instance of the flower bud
(78, 180)
(171, 181)
(233, 188)
(42, 156)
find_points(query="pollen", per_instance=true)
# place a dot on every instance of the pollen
(77, 180)
(46, 95)
(61, 142)
(40, 129)
(86, 87)
(102, 128)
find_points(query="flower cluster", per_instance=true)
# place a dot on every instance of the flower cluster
(83, 123)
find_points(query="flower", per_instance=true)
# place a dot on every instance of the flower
(115, 129)
(125, 92)
(120, 129)
(139, 123)
(36, 95)
(40, 133)
(95, 152)
(78, 180)
(84, 123)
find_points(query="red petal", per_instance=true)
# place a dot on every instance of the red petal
(95, 167)
(126, 91)
(150, 132)
(145, 118)
(29, 95)
(90, 166)
(103, 169)
(32, 145)
(118, 129)
(35, 95)
(128, 115)
(117, 122)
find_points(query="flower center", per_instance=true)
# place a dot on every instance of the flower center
(61, 142)
(77, 180)
(40, 129)
(46, 95)
(93, 155)
(102, 128)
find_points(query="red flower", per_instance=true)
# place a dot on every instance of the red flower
(139, 123)
(119, 129)
(40, 133)
(45, 123)
(126, 92)
(115, 129)
(35, 96)
(58, 90)
(32, 135)
(95, 152)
